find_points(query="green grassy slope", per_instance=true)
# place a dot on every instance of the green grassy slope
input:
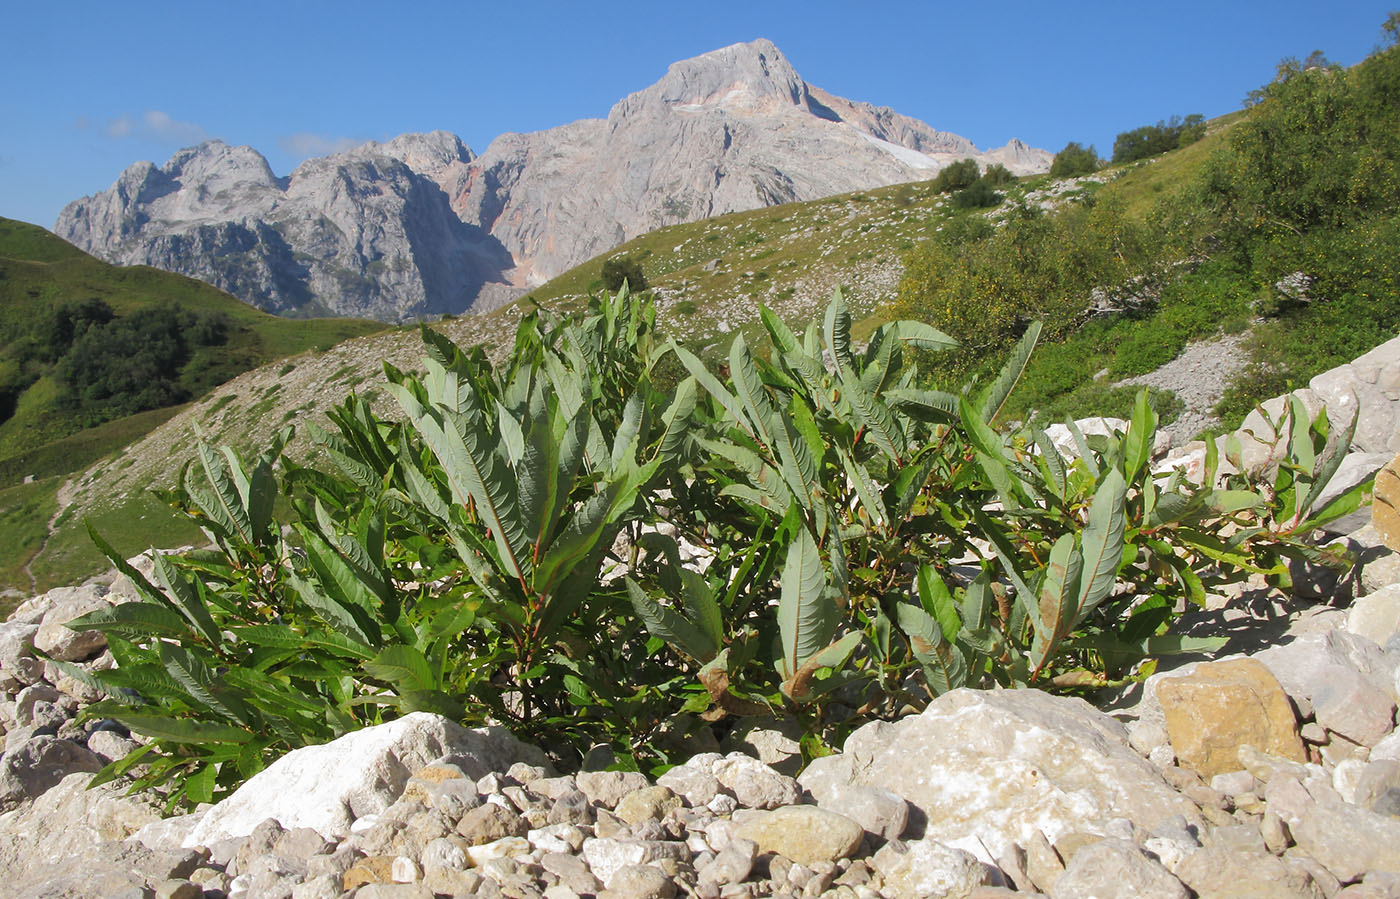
(40, 272)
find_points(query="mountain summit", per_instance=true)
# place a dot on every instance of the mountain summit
(420, 226)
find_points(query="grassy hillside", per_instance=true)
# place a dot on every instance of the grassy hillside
(46, 283)
(62, 312)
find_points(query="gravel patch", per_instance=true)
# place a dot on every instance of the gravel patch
(1198, 377)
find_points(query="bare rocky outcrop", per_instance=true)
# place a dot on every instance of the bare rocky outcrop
(419, 226)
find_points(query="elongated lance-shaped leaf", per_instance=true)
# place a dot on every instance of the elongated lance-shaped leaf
(282, 637)
(701, 373)
(701, 606)
(228, 505)
(783, 339)
(944, 666)
(761, 475)
(991, 456)
(797, 685)
(187, 600)
(675, 422)
(921, 403)
(183, 730)
(1000, 389)
(837, 330)
(878, 361)
(418, 486)
(1300, 445)
(879, 422)
(577, 539)
(751, 393)
(670, 625)
(1054, 611)
(797, 466)
(921, 334)
(137, 621)
(812, 372)
(572, 449)
(866, 489)
(405, 667)
(1101, 544)
(807, 613)
(936, 599)
(535, 473)
(477, 476)
(632, 426)
(348, 620)
(1332, 457)
(341, 582)
(1086, 455)
(1001, 545)
(1050, 462)
(89, 679)
(512, 436)
(138, 580)
(1137, 445)
(192, 674)
(977, 601)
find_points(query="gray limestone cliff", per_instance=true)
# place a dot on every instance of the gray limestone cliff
(419, 226)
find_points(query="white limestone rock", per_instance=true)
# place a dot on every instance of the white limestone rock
(327, 787)
(983, 771)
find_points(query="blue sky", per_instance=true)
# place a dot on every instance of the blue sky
(93, 87)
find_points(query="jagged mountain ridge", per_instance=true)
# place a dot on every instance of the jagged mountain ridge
(420, 225)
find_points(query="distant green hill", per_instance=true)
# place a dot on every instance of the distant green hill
(93, 356)
(84, 344)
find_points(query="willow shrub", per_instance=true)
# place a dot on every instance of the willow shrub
(512, 551)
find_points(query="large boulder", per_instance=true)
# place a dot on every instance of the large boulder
(983, 771)
(1221, 705)
(1372, 382)
(70, 832)
(327, 787)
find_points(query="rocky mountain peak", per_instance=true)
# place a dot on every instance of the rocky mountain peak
(419, 225)
(426, 153)
(742, 78)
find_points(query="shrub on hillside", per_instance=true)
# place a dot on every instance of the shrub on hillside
(621, 270)
(1153, 140)
(956, 176)
(1074, 160)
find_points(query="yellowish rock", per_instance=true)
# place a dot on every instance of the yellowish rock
(1385, 506)
(1222, 706)
(805, 834)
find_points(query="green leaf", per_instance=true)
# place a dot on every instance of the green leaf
(879, 422)
(671, 626)
(866, 489)
(922, 335)
(1054, 612)
(675, 421)
(701, 373)
(187, 600)
(282, 637)
(404, 667)
(938, 602)
(1102, 544)
(945, 668)
(192, 674)
(476, 475)
(135, 621)
(183, 730)
(232, 512)
(995, 397)
(799, 686)
(1142, 431)
(1332, 459)
(783, 338)
(807, 614)
(837, 329)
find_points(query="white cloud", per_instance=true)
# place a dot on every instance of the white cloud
(304, 144)
(153, 124)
